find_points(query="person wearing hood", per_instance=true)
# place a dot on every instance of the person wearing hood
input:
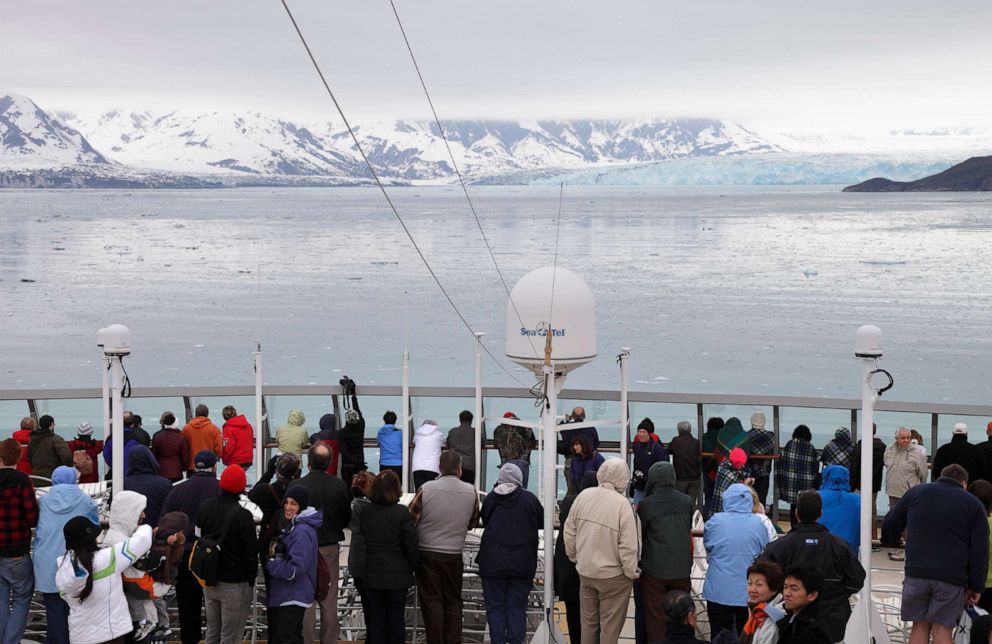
(797, 469)
(508, 554)
(18, 514)
(841, 507)
(732, 470)
(200, 434)
(388, 556)
(292, 568)
(810, 543)
(169, 448)
(186, 497)
(838, 451)
(761, 442)
(83, 442)
(603, 538)
(291, 437)
(127, 513)
(647, 451)
(666, 559)
(46, 449)
(427, 443)
(764, 603)
(351, 439)
(330, 437)
(143, 477)
(90, 580)
(732, 538)
(566, 577)
(237, 438)
(228, 602)
(64, 501)
(108, 450)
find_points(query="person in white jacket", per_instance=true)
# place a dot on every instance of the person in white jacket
(603, 538)
(764, 602)
(89, 579)
(427, 443)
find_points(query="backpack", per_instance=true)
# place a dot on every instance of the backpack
(82, 462)
(204, 558)
(323, 578)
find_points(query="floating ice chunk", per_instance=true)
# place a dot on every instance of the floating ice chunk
(810, 272)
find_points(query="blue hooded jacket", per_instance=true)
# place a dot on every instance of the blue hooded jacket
(294, 574)
(733, 538)
(143, 477)
(841, 508)
(390, 440)
(63, 501)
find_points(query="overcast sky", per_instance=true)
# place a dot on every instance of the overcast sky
(810, 66)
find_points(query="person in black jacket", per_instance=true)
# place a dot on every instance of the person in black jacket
(388, 555)
(228, 603)
(187, 497)
(566, 578)
(803, 623)
(351, 439)
(877, 466)
(960, 451)
(811, 544)
(680, 615)
(142, 477)
(947, 552)
(332, 496)
(508, 554)
(686, 456)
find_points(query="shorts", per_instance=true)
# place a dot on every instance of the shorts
(929, 600)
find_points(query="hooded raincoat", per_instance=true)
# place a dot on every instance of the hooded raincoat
(427, 441)
(666, 523)
(125, 514)
(291, 437)
(509, 550)
(239, 441)
(142, 477)
(293, 575)
(732, 538)
(64, 501)
(841, 508)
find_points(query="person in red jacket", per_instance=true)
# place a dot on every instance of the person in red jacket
(23, 436)
(239, 439)
(84, 443)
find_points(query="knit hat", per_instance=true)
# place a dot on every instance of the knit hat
(299, 494)
(233, 480)
(78, 532)
(352, 416)
(646, 424)
(758, 420)
(989, 427)
(738, 458)
(960, 428)
(205, 460)
(64, 475)
(84, 429)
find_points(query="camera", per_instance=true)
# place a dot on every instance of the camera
(348, 385)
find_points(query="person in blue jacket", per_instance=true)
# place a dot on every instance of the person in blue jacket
(292, 567)
(390, 439)
(841, 508)
(732, 538)
(108, 450)
(64, 500)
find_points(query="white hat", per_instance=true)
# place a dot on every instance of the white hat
(960, 428)
(84, 429)
(758, 420)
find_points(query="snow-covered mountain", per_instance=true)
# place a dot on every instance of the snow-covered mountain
(31, 138)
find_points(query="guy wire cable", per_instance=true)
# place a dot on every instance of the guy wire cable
(385, 194)
(461, 180)
(542, 396)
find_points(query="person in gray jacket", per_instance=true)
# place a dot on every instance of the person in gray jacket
(462, 440)
(906, 467)
(443, 511)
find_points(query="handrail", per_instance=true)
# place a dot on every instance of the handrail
(511, 392)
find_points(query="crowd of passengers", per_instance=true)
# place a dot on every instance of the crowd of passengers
(626, 532)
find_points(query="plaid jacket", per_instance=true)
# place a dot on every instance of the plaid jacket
(798, 468)
(18, 513)
(838, 451)
(762, 444)
(726, 475)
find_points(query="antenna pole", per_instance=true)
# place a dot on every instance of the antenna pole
(259, 436)
(550, 481)
(406, 421)
(117, 451)
(478, 410)
(624, 412)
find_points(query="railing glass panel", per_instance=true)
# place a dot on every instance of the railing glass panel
(242, 404)
(69, 414)
(13, 411)
(665, 417)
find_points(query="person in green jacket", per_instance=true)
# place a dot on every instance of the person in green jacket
(666, 556)
(291, 437)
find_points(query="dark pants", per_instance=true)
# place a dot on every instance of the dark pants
(726, 618)
(986, 600)
(468, 476)
(640, 623)
(761, 489)
(56, 618)
(422, 476)
(189, 600)
(398, 469)
(366, 611)
(348, 472)
(384, 621)
(691, 488)
(573, 616)
(506, 608)
(708, 487)
(286, 624)
(439, 585)
(653, 591)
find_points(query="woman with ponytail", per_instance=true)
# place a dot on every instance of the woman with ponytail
(89, 579)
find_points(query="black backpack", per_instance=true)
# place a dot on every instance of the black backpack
(204, 558)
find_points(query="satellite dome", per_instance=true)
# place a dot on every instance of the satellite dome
(572, 324)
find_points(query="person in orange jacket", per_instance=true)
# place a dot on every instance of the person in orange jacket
(200, 434)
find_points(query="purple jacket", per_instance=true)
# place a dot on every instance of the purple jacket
(582, 465)
(294, 574)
